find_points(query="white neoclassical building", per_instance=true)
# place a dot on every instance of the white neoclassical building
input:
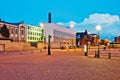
(17, 31)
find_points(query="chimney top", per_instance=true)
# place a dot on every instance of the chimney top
(49, 17)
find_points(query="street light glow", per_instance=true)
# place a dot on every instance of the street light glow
(42, 25)
(98, 27)
(72, 24)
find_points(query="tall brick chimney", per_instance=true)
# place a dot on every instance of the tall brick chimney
(49, 17)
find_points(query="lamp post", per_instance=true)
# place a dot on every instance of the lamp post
(49, 36)
(98, 28)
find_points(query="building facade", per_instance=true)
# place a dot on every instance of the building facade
(61, 36)
(17, 31)
(83, 38)
(117, 39)
(34, 34)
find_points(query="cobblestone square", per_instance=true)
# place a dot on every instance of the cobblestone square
(66, 65)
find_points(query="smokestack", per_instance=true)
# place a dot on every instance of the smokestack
(49, 17)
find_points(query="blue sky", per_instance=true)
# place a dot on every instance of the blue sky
(80, 12)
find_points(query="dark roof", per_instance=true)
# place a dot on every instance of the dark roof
(93, 34)
(17, 24)
(82, 32)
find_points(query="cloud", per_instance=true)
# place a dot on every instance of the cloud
(110, 25)
(70, 24)
(60, 23)
(101, 19)
(95, 19)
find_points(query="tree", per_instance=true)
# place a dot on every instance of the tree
(5, 31)
(104, 42)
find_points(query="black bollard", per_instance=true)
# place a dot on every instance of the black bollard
(95, 54)
(109, 55)
(98, 54)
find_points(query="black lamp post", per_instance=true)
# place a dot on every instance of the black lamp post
(98, 28)
(98, 51)
(49, 36)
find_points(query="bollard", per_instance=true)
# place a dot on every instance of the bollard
(20, 53)
(5, 53)
(86, 54)
(109, 55)
(95, 54)
(41, 50)
(31, 51)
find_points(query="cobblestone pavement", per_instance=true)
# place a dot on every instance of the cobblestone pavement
(58, 66)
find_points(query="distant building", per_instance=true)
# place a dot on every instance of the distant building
(94, 39)
(17, 31)
(117, 39)
(34, 34)
(61, 36)
(83, 38)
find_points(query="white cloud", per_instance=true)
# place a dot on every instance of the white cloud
(110, 24)
(72, 24)
(60, 23)
(101, 19)
(95, 19)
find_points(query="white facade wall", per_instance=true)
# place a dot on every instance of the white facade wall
(49, 30)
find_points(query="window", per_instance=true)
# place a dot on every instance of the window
(22, 32)
(12, 30)
(39, 34)
(28, 38)
(28, 33)
(16, 31)
(28, 27)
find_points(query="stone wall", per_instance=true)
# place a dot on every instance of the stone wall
(11, 45)
(19, 45)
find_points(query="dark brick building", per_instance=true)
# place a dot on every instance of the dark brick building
(83, 38)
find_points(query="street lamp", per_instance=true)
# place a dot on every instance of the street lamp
(72, 24)
(49, 36)
(98, 28)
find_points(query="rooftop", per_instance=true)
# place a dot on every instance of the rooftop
(17, 23)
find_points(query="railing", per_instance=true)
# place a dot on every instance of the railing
(110, 53)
